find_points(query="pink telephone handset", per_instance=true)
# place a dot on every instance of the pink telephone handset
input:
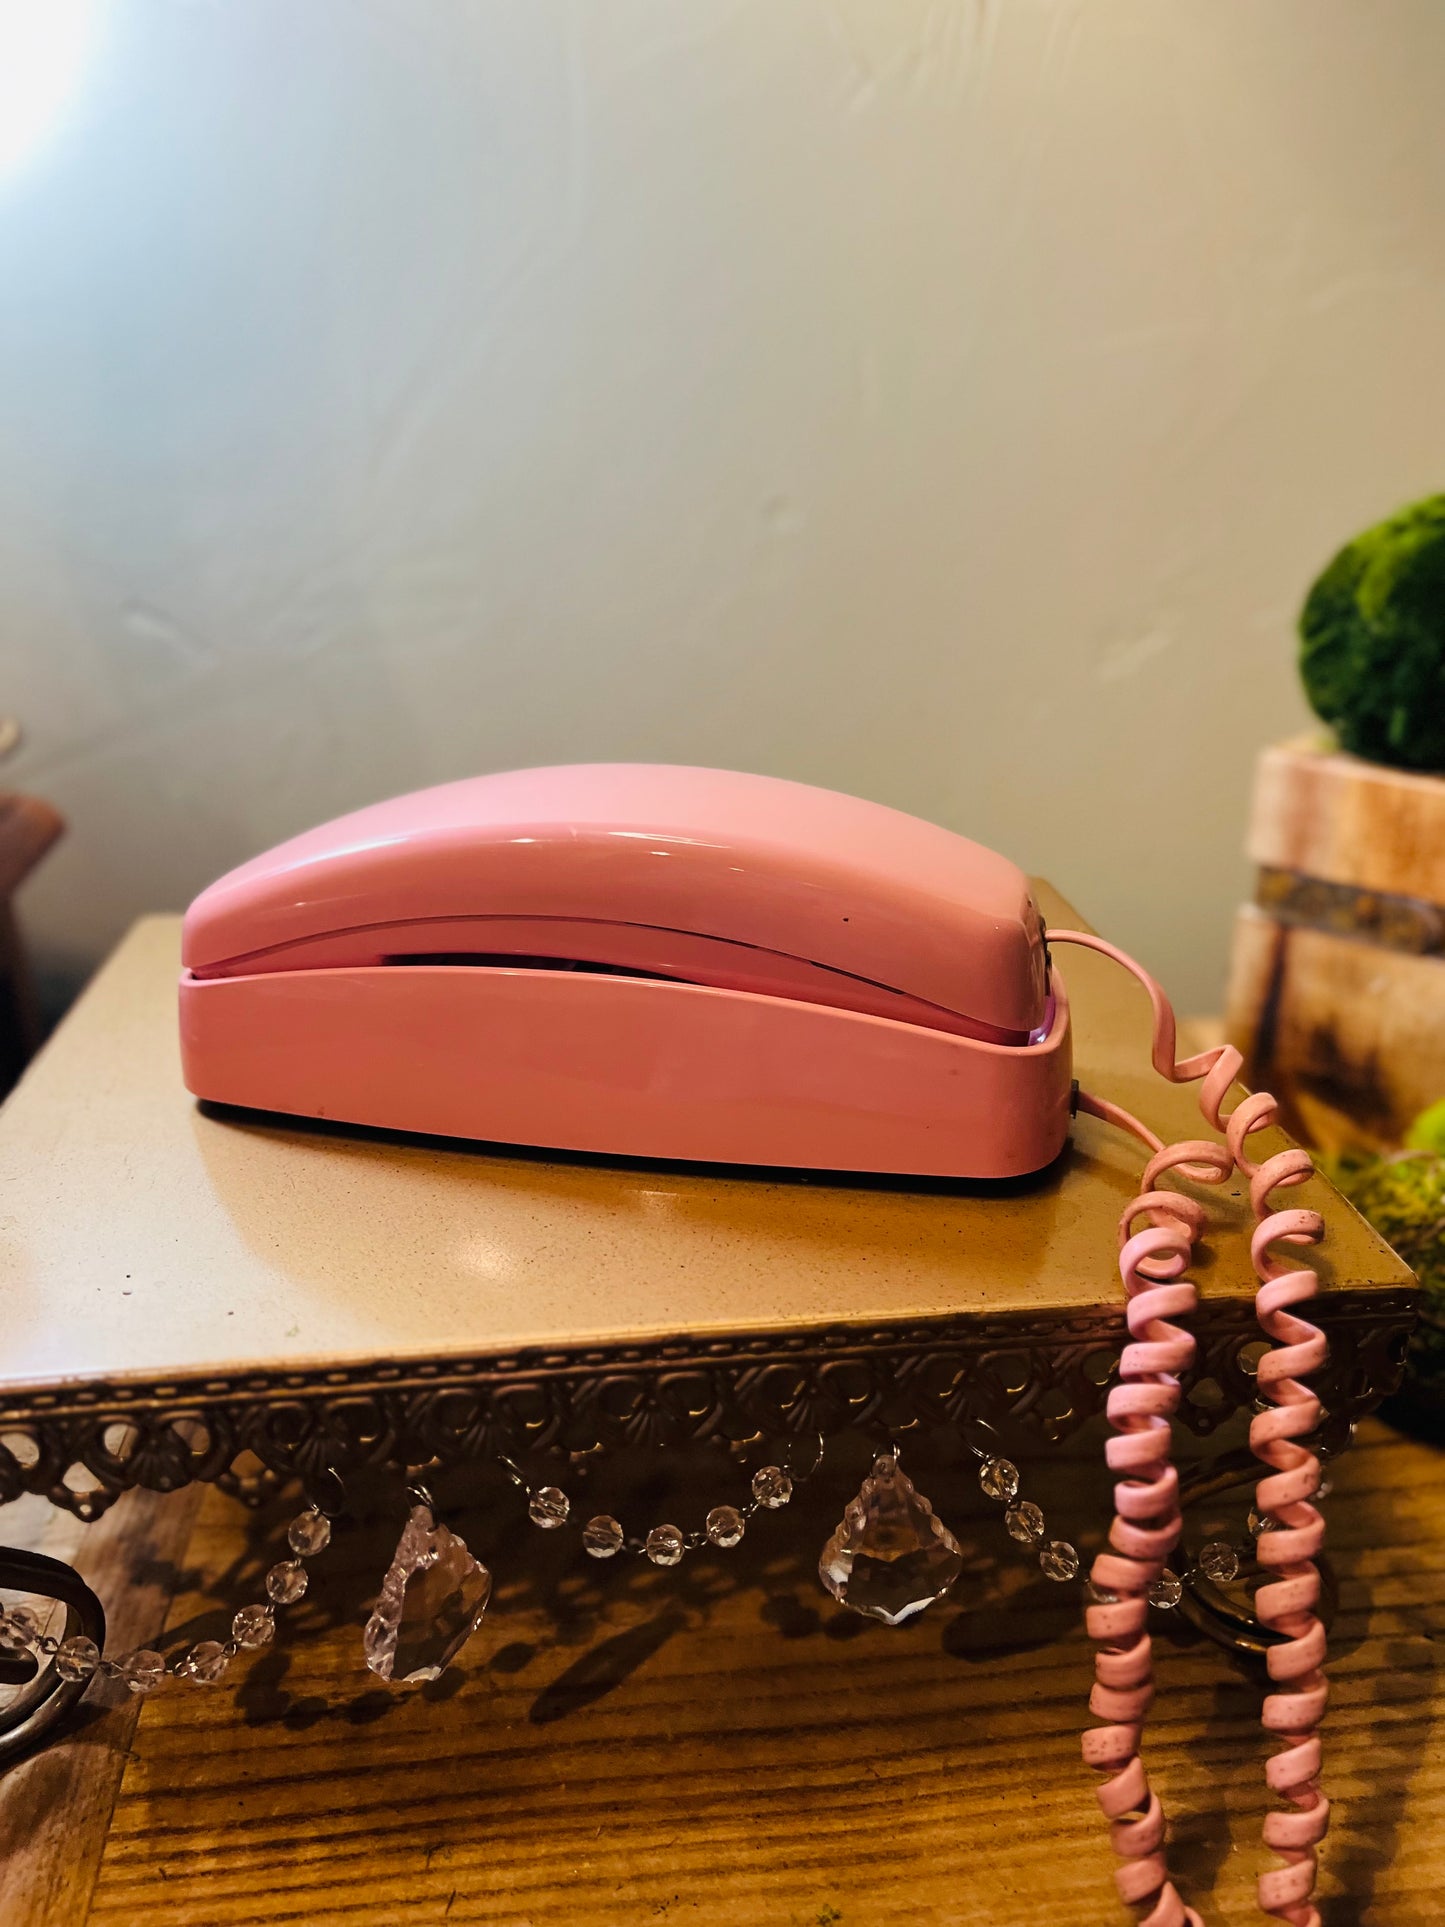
(640, 960)
(665, 962)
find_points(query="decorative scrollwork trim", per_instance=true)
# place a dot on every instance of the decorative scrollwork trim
(1047, 1373)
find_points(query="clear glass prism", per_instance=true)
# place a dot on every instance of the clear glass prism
(889, 1557)
(431, 1602)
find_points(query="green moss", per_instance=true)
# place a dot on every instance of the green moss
(1427, 1133)
(1404, 1199)
(1372, 637)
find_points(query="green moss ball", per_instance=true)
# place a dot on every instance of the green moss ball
(1373, 640)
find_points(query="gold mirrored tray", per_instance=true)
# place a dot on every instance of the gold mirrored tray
(234, 1298)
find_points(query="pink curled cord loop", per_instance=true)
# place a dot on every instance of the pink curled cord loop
(1146, 1523)
(1285, 1495)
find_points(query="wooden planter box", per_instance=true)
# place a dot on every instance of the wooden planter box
(1337, 986)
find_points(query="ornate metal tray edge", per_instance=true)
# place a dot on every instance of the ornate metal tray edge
(1047, 1371)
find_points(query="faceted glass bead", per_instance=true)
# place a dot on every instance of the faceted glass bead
(725, 1525)
(1219, 1562)
(664, 1545)
(309, 1533)
(1025, 1523)
(772, 1486)
(253, 1626)
(999, 1479)
(890, 1556)
(1167, 1590)
(287, 1582)
(432, 1599)
(1059, 1560)
(206, 1663)
(22, 1628)
(549, 1506)
(142, 1670)
(602, 1536)
(1095, 1595)
(77, 1658)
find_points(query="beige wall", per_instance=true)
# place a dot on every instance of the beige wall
(944, 402)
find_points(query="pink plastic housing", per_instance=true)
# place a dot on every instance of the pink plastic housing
(639, 960)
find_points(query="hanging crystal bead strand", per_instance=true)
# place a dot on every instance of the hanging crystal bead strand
(22, 1630)
(1219, 1562)
(205, 1663)
(254, 1626)
(603, 1537)
(1024, 1521)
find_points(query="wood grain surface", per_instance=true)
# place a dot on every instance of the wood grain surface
(723, 1746)
(1348, 1035)
(1339, 817)
(1348, 1031)
(55, 1807)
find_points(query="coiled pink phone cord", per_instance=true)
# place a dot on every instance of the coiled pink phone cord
(1147, 1521)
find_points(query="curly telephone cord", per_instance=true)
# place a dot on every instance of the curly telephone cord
(1147, 1522)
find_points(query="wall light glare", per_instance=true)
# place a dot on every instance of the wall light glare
(46, 48)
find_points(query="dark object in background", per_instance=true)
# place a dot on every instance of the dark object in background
(28, 827)
(47, 1699)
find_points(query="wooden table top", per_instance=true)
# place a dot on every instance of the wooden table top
(721, 1744)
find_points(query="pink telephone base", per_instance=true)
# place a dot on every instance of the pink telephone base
(628, 1067)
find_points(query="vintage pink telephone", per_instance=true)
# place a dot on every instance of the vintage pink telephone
(687, 963)
(626, 958)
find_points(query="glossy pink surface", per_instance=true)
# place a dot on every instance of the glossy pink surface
(812, 876)
(628, 1067)
(640, 960)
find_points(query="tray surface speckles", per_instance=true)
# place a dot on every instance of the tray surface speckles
(178, 1288)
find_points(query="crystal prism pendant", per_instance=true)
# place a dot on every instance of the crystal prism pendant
(889, 1557)
(431, 1602)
